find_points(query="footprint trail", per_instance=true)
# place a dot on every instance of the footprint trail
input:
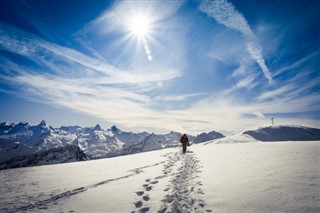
(183, 192)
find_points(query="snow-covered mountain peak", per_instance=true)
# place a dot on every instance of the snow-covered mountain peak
(42, 123)
(174, 133)
(115, 130)
(97, 128)
(208, 136)
(20, 127)
(71, 129)
(285, 133)
(40, 129)
(5, 126)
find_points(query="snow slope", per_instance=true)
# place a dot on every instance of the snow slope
(65, 154)
(234, 177)
(285, 133)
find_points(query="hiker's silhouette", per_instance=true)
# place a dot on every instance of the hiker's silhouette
(185, 142)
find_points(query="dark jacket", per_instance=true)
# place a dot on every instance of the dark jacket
(184, 139)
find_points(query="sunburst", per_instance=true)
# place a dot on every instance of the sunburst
(140, 26)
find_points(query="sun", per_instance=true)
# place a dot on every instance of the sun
(140, 26)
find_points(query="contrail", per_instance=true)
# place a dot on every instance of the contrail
(226, 14)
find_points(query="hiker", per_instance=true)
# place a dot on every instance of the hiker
(185, 142)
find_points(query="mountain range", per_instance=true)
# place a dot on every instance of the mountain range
(25, 145)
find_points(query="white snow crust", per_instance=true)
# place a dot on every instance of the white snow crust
(224, 176)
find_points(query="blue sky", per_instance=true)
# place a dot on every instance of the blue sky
(188, 66)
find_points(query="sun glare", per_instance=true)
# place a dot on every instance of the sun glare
(139, 25)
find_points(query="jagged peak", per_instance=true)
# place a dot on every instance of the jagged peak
(114, 129)
(42, 123)
(6, 124)
(23, 123)
(97, 127)
(75, 142)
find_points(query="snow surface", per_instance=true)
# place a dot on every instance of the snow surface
(210, 177)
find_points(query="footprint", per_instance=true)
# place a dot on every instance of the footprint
(192, 202)
(168, 199)
(160, 177)
(154, 182)
(202, 204)
(144, 210)
(148, 188)
(140, 193)
(147, 180)
(138, 204)
(42, 207)
(146, 198)
(200, 191)
(145, 185)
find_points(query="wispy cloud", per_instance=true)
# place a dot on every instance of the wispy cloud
(119, 15)
(247, 82)
(28, 45)
(293, 88)
(133, 98)
(298, 63)
(179, 98)
(125, 45)
(89, 85)
(226, 14)
(149, 96)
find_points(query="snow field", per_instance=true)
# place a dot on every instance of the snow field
(44, 186)
(261, 177)
(236, 177)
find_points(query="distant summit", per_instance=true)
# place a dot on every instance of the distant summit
(115, 130)
(97, 127)
(285, 133)
(208, 136)
(43, 123)
(4, 126)
(20, 127)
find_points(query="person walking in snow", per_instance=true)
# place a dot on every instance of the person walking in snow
(185, 142)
